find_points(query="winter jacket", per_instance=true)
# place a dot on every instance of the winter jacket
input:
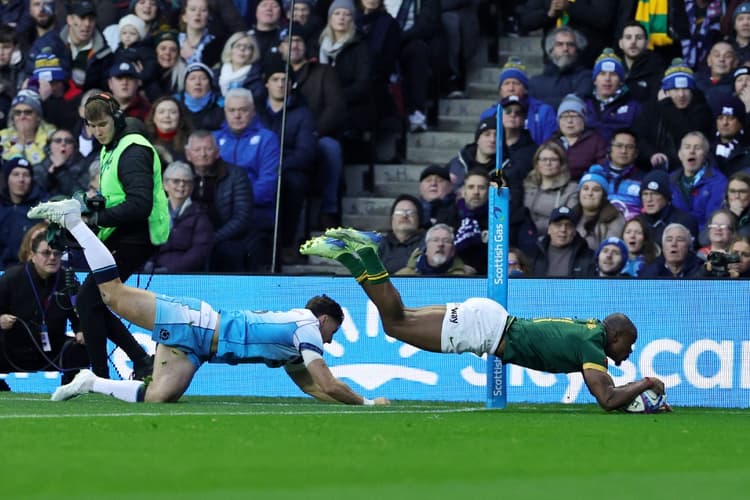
(455, 266)
(464, 161)
(714, 90)
(300, 140)
(593, 18)
(230, 204)
(14, 223)
(605, 118)
(352, 65)
(706, 195)
(442, 210)
(589, 149)
(394, 253)
(98, 59)
(320, 85)
(541, 119)
(553, 84)
(71, 176)
(471, 236)
(693, 267)
(624, 191)
(661, 127)
(643, 78)
(581, 264)
(190, 240)
(256, 150)
(210, 117)
(666, 216)
(541, 202)
(610, 222)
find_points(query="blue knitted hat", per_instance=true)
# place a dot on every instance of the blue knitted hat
(595, 174)
(608, 61)
(514, 68)
(614, 240)
(678, 76)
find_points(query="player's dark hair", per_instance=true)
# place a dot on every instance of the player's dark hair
(323, 304)
(632, 24)
(619, 323)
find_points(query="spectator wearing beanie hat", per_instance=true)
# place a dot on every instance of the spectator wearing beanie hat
(479, 154)
(133, 46)
(731, 145)
(681, 108)
(540, 117)
(598, 218)
(300, 148)
(716, 78)
(611, 258)
(170, 77)
(698, 187)
(583, 146)
(611, 106)
(657, 208)
(18, 194)
(201, 99)
(740, 31)
(59, 98)
(268, 24)
(27, 133)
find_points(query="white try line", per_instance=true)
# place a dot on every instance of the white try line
(251, 412)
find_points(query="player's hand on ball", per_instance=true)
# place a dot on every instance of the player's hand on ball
(382, 401)
(658, 386)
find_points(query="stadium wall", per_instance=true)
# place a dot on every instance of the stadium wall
(694, 335)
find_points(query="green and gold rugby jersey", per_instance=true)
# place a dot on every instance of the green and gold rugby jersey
(556, 345)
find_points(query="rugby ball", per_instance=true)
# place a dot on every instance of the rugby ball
(646, 402)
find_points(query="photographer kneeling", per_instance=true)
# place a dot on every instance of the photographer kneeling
(35, 306)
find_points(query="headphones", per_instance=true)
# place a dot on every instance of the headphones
(112, 105)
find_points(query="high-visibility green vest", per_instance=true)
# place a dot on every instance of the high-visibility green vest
(111, 189)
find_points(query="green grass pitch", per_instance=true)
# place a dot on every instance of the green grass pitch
(95, 447)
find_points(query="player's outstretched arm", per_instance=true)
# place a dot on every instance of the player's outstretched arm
(318, 381)
(609, 397)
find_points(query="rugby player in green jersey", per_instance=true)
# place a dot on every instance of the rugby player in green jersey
(482, 326)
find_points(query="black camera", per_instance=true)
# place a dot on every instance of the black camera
(717, 263)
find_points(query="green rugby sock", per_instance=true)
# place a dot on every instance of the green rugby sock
(354, 265)
(376, 273)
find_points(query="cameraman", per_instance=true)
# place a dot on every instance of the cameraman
(33, 295)
(134, 219)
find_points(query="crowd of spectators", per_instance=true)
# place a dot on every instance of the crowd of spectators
(627, 155)
(359, 72)
(628, 119)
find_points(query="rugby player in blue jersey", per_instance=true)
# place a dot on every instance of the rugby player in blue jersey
(189, 332)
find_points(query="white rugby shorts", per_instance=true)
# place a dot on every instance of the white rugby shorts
(475, 325)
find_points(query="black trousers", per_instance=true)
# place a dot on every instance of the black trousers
(69, 359)
(98, 323)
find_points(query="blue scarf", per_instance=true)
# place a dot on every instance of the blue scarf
(197, 104)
